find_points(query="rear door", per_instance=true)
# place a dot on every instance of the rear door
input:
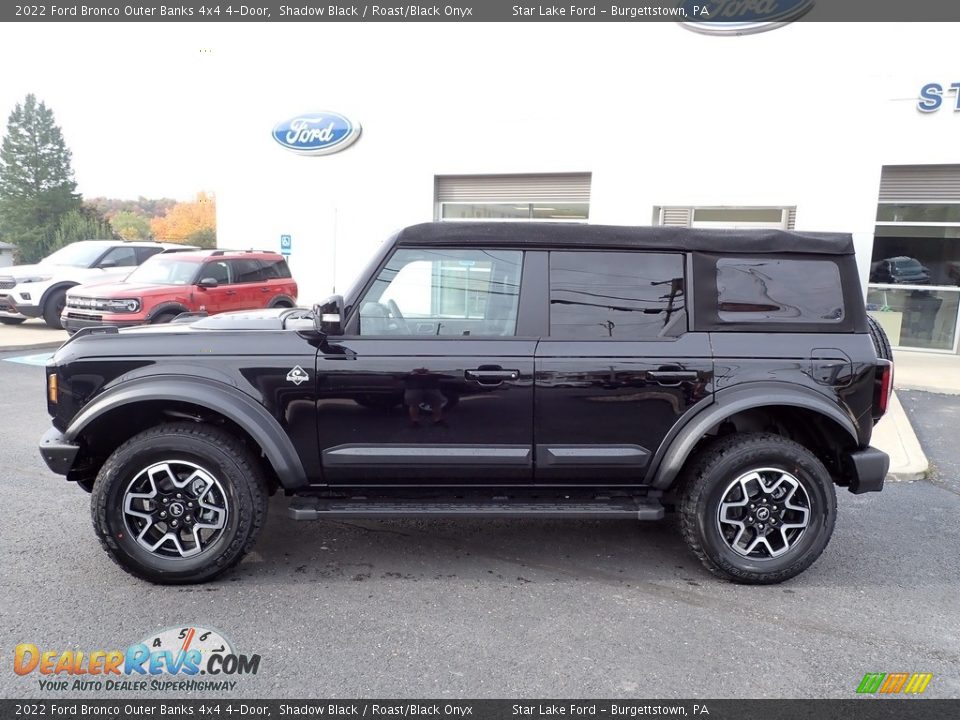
(247, 277)
(619, 368)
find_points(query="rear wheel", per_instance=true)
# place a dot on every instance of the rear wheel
(757, 508)
(12, 321)
(179, 503)
(881, 343)
(53, 308)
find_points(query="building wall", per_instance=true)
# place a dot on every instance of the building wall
(805, 115)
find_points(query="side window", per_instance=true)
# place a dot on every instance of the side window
(778, 290)
(147, 252)
(616, 295)
(245, 271)
(119, 257)
(444, 292)
(218, 270)
(275, 269)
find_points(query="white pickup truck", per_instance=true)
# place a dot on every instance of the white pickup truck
(29, 291)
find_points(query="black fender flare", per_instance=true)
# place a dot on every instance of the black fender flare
(678, 445)
(174, 307)
(62, 285)
(219, 397)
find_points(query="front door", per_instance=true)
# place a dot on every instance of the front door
(433, 381)
(619, 368)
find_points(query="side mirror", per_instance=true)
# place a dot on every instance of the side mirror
(208, 283)
(328, 316)
(107, 265)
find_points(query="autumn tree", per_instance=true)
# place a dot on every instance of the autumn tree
(131, 225)
(85, 223)
(37, 188)
(193, 223)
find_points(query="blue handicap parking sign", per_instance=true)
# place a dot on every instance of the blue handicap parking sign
(286, 244)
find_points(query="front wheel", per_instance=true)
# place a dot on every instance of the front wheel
(179, 503)
(757, 508)
(53, 309)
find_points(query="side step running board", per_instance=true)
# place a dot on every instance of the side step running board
(309, 508)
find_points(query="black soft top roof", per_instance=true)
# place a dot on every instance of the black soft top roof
(572, 235)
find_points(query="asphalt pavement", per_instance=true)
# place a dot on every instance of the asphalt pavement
(472, 609)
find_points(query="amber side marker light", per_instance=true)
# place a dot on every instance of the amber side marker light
(52, 388)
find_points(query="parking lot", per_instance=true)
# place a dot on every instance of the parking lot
(522, 608)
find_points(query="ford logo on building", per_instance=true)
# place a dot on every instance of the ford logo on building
(741, 17)
(319, 133)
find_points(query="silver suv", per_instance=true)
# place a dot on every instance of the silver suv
(30, 291)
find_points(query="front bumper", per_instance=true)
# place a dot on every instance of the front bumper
(73, 324)
(8, 308)
(866, 470)
(57, 452)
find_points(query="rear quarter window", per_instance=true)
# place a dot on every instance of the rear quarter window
(275, 269)
(779, 290)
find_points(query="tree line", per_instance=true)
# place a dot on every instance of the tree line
(41, 210)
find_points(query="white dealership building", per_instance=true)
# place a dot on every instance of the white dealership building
(811, 126)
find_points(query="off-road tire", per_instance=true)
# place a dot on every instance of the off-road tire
(881, 343)
(705, 480)
(53, 308)
(216, 451)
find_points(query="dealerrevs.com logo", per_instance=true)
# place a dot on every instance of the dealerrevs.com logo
(176, 659)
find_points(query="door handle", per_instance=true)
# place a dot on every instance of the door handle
(491, 375)
(231, 292)
(264, 290)
(671, 376)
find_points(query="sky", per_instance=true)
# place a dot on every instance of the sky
(142, 105)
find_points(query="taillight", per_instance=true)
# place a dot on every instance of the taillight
(53, 391)
(883, 388)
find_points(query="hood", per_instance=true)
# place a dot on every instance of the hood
(112, 289)
(21, 271)
(266, 319)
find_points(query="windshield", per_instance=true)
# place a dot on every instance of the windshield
(165, 270)
(78, 254)
(908, 264)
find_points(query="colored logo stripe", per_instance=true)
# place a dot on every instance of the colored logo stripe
(893, 683)
(918, 683)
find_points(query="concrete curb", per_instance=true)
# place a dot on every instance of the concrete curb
(937, 389)
(22, 348)
(895, 436)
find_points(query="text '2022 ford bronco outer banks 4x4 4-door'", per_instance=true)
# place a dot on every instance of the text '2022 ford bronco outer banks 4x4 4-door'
(496, 370)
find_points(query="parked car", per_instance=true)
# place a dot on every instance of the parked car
(165, 286)
(30, 291)
(733, 377)
(900, 270)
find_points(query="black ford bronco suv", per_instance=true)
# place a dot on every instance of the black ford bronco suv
(496, 370)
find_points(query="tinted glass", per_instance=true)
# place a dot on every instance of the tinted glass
(444, 292)
(147, 252)
(618, 295)
(275, 269)
(217, 270)
(246, 271)
(779, 290)
(120, 257)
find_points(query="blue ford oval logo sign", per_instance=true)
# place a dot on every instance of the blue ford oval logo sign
(741, 17)
(320, 133)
